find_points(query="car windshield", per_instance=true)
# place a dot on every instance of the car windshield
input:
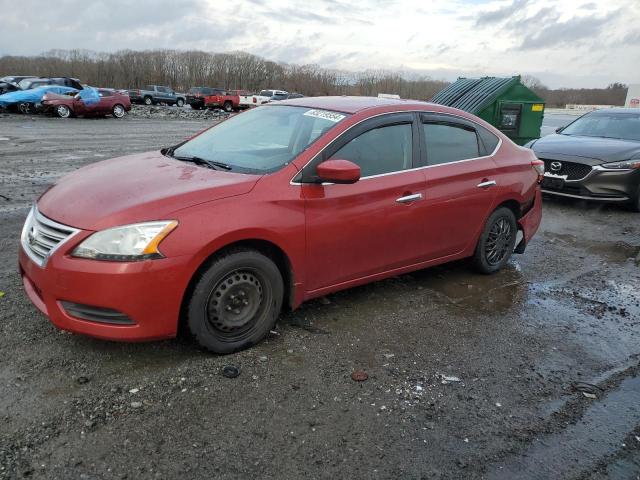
(624, 126)
(26, 84)
(261, 140)
(266, 93)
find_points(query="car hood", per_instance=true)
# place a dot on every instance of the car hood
(136, 188)
(589, 150)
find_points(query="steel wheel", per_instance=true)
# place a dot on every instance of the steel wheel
(235, 303)
(118, 111)
(63, 111)
(498, 242)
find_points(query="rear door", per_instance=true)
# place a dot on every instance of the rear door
(374, 225)
(460, 182)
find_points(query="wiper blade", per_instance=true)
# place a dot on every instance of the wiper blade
(209, 163)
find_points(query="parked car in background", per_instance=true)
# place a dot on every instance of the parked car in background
(107, 102)
(245, 98)
(153, 94)
(265, 95)
(284, 96)
(279, 205)
(30, 100)
(30, 82)
(10, 83)
(225, 100)
(596, 157)
(195, 96)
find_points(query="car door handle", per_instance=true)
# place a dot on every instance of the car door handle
(409, 198)
(487, 184)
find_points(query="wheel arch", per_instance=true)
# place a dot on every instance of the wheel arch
(265, 247)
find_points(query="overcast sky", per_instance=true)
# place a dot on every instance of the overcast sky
(567, 43)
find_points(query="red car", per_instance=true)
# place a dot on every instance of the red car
(272, 207)
(228, 101)
(112, 102)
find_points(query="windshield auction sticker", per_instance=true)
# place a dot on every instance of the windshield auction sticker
(325, 114)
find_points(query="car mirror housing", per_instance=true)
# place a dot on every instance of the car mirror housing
(338, 171)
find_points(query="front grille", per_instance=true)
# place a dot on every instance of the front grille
(573, 171)
(41, 236)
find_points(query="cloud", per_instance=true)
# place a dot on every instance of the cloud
(565, 33)
(563, 42)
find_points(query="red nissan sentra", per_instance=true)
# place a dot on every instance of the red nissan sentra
(270, 208)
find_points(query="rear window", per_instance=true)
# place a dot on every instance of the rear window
(266, 93)
(448, 143)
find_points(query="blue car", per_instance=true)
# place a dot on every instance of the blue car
(32, 97)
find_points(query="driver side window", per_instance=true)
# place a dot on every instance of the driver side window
(380, 150)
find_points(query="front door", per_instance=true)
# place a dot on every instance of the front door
(374, 225)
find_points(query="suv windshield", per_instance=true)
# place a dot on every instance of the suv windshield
(624, 126)
(261, 140)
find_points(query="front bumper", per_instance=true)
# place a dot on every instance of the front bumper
(599, 184)
(148, 293)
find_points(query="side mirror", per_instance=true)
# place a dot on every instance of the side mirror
(338, 171)
(76, 96)
(559, 129)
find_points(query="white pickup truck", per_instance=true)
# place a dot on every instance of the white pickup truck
(267, 95)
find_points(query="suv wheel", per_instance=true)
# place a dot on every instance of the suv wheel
(496, 242)
(180, 102)
(235, 302)
(148, 100)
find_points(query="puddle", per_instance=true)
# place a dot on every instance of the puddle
(599, 433)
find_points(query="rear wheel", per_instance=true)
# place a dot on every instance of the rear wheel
(148, 100)
(228, 106)
(118, 111)
(180, 102)
(235, 302)
(63, 111)
(496, 242)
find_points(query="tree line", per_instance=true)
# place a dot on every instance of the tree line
(239, 70)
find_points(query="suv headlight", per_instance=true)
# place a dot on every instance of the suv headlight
(128, 243)
(625, 165)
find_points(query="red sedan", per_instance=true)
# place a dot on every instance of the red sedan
(272, 207)
(110, 102)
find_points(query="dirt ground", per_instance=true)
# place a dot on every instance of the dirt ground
(469, 376)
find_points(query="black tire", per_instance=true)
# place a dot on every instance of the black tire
(497, 241)
(62, 111)
(227, 106)
(118, 111)
(635, 203)
(180, 102)
(235, 302)
(148, 101)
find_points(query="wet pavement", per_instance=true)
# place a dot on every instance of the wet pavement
(530, 373)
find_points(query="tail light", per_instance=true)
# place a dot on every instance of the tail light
(255, 100)
(538, 166)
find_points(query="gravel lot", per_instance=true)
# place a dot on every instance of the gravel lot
(469, 376)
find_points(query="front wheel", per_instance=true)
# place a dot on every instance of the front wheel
(118, 111)
(228, 106)
(235, 302)
(148, 100)
(180, 102)
(497, 241)
(63, 111)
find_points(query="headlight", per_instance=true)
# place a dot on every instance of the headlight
(626, 165)
(127, 243)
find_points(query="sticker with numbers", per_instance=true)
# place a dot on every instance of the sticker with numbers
(325, 114)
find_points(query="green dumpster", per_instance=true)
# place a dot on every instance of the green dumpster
(505, 103)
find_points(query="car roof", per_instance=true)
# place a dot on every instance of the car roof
(348, 104)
